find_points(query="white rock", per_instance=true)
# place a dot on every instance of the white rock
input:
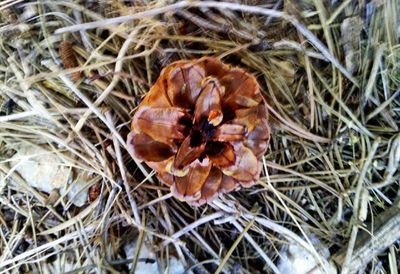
(295, 259)
(176, 266)
(57, 267)
(78, 190)
(29, 12)
(151, 266)
(142, 266)
(45, 171)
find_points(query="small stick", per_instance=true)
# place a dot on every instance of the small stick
(368, 245)
(122, 170)
(348, 258)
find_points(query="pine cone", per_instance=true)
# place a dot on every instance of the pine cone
(202, 127)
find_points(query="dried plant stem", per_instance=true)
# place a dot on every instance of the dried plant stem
(368, 245)
(38, 250)
(295, 129)
(350, 248)
(310, 89)
(233, 247)
(155, 201)
(71, 221)
(393, 164)
(122, 170)
(94, 109)
(309, 246)
(216, 27)
(17, 116)
(202, 241)
(322, 161)
(373, 75)
(262, 254)
(219, 5)
(116, 77)
(305, 177)
(139, 243)
(339, 9)
(193, 225)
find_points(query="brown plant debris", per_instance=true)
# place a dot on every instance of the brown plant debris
(69, 59)
(203, 127)
(327, 72)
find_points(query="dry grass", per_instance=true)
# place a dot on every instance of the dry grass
(333, 90)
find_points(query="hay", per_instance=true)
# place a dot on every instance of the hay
(329, 71)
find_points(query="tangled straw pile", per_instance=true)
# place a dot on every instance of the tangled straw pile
(331, 69)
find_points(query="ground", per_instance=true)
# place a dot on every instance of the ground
(73, 199)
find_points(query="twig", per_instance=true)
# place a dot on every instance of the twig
(195, 224)
(257, 247)
(373, 74)
(230, 251)
(305, 177)
(392, 165)
(350, 248)
(295, 129)
(122, 170)
(116, 77)
(384, 232)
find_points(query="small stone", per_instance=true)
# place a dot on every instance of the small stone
(295, 259)
(46, 172)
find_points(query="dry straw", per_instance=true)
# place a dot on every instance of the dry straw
(329, 72)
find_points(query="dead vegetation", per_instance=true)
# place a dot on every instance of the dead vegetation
(329, 71)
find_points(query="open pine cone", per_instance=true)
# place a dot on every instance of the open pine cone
(203, 127)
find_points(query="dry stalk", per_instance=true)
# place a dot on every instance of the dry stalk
(322, 175)
(370, 243)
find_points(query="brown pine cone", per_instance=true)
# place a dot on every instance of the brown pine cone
(202, 127)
